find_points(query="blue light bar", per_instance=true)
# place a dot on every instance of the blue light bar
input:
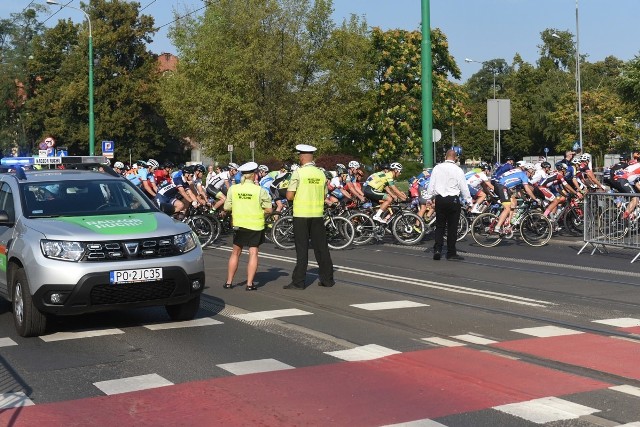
(17, 161)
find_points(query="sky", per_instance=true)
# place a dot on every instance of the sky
(477, 29)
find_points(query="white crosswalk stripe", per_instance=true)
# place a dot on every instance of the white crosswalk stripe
(254, 366)
(546, 410)
(125, 385)
(365, 352)
(388, 305)
(547, 331)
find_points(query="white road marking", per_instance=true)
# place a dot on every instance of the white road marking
(14, 400)
(443, 342)
(271, 314)
(474, 339)
(254, 366)
(628, 389)
(205, 321)
(6, 342)
(633, 424)
(621, 322)
(61, 336)
(417, 423)
(546, 410)
(547, 331)
(514, 299)
(365, 352)
(388, 305)
(125, 385)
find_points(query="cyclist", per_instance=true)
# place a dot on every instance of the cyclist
(508, 164)
(336, 186)
(507, 188)
(381, 186)
(479, 185)
(352, 184)
(177, 194)
(145, 172)
(625, 181)
(586, 174)
(197, 188)
(163, 175)
(118, 167)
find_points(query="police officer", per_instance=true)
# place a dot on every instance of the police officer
(248, 203)
(448, 184)
(307, 190)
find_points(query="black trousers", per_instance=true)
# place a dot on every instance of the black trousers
(447, 218)
(314, 229)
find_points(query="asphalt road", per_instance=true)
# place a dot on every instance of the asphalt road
(513, 335)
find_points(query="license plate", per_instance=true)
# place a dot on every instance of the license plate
(133, 276)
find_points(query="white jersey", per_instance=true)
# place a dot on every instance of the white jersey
(475, 180)
(336, 182)
(540, 176)
(218, 180)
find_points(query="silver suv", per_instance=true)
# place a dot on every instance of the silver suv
(83, 239)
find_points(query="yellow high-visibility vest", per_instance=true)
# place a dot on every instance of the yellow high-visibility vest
(310, 194)
(246, 207)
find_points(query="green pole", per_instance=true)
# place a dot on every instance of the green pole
(427, 88)
(92, 142)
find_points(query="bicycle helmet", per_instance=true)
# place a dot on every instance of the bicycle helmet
(521, 163)
(545, 165)
(530, 167)
(187, 170)
(153, 163)
(233, 166)
(141, 164)
(506, 159)
(354, 164)
(585, 157)
(328, 175)
(286, 166)
(485, 166)
(395, 166)
(561, 166)
(118, 165)
(263, 168)
(340, 166)
(341, 170)
(168, 165)
(576, 160)
(199, 168)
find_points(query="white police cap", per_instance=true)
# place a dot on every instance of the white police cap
(304, 148)
(248, 167)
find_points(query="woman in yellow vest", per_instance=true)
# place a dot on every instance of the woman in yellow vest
(307, 189)
(248, 203)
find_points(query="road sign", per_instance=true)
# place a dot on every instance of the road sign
(437, 135)
(498, 114)
(546, 150)
(230, 148)
(107, 149)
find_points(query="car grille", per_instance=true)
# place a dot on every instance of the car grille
(130, 249)
(131, 292)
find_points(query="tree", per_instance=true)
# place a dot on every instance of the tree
(125, 82)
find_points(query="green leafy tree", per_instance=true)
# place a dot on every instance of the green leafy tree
(125, 82)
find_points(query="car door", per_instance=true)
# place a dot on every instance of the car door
(7, 203)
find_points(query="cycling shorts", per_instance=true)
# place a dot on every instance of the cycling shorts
(372, 194)
(337, 193)
(544, 193)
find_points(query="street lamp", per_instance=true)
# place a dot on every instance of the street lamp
(578, 84)
(91, 122)
(493, 70)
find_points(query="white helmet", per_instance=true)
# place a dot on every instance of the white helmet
(585, 157)
(395, 166)
(263, 168)
(530, 167)
(354, 164)
(233, 166)
(521, 163)
(153, 163)
(118, 165)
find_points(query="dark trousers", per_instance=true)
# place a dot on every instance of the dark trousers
(303, 230)
(447, 218)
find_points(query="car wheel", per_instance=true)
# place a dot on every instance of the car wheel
(29, 321)
(185, 311)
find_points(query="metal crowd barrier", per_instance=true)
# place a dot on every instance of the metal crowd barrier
(605, 225)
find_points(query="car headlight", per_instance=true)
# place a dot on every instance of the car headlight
(62, 250)
(185, 242)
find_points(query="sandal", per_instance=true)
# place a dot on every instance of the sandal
(251, 287)
(227, 286)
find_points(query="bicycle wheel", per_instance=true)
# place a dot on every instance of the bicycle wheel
(535, 229)
(340, 232)
(282, 233)
(482, 230)
(203, 227)
(574, 221)
(408, 228)
(269, 221)
(611, 223)
(463, 226)
(217, 228)
(363, 227)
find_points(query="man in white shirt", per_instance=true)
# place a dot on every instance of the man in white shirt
(448, 185)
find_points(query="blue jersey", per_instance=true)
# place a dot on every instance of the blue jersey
(514, 178)
(505, 167)
(237, 178)
(265, 182)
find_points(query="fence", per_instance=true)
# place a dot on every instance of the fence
(605, 223)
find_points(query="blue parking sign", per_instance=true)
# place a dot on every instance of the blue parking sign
(107, 147)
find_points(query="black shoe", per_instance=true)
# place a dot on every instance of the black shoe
(437, 255)
(292, 286)
(251, 287)
(455, 257)
(326, 285)
(227, 286)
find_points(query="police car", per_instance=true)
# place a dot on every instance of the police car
(75, 237)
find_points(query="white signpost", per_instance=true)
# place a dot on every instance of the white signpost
(498, 118)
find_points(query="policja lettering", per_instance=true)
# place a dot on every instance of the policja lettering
(313, 181)
(245, 196)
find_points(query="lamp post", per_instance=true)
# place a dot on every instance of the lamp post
(493, 70)
(91, 122)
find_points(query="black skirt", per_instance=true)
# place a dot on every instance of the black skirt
(251, 238)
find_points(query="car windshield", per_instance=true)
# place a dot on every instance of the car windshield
(78, 198)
